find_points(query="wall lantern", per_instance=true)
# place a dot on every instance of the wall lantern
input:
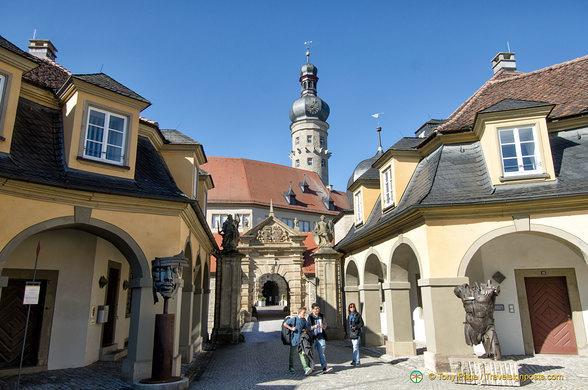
(102, 282)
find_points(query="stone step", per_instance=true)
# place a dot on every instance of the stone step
(114, 355)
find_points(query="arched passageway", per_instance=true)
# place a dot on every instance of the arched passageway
(540, 307)
(371, 297)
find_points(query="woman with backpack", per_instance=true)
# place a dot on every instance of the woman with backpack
(354, 324)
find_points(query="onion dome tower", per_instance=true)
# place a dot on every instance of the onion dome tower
(309, 114)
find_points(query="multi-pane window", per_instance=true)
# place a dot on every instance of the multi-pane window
(219, 219)
(358, 202)
(297, 163)
(323, 163)
(322, 141)
(304, 226)
(387, 177)
(297, 140)
(309, 139)
(309, 161)
(518, 147)
(288, 221)
(105, 136)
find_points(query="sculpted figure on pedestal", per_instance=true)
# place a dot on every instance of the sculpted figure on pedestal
(478, 302)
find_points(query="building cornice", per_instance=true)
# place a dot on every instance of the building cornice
(19, 62)
(38, 95)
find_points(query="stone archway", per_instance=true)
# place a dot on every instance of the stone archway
(351, 285)
(403, 302)
(274, 288)
(137, 365)
(370, 293)
(517, 260)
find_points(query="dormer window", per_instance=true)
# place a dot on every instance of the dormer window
(105, 136)
(519, 150)
(358, 202)
(387, 186)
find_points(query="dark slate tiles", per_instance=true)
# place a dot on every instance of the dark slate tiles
(104, 81)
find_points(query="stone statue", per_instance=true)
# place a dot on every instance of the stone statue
(478, 302)
(166, 273)
(230, 234)
(323, 233)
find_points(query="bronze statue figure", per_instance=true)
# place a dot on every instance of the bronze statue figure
(230, 234)
(323, 233)
(166, 273)
(478, 302)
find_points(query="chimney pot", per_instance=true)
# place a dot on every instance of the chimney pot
(42, 48)
(504, 61)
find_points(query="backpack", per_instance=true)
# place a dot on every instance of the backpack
(286, 334)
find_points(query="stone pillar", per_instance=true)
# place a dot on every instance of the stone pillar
(137, 364)
(203, 323)
(175, 307)
(444, 317)
(369, 295)
(229, 298)
(399, 319)
(196, 330)
(328, 292)
(186, 344)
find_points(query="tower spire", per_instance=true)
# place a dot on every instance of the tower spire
(308, 44)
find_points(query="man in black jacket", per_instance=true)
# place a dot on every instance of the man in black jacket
(318, 326)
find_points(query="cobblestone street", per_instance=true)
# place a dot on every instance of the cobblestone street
(262, 361)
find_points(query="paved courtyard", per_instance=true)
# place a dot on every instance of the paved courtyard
(262, 362)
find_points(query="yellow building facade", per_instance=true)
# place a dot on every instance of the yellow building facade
(498, 191)
(102, 192)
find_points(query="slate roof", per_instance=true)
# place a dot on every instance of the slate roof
(104, 81)
(406, 143)
(364, 170)
(429, 126)
(177, 137)
(565, 85)
(37, 155)
(242, 181)
(456, 175)
(514, 104)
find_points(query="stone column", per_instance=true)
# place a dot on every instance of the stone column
(196, 330)
(203, 322)
(186, 344)
(398, 319)
(137, 364)
(229, 298)
(444, 317)
(369, 295)
(175, 307)
(327, 268)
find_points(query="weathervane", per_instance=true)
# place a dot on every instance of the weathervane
(308, 44)
(378, 129)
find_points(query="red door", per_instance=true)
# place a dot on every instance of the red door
(551, 317)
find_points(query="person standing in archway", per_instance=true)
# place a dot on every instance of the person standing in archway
(353, 329)
(318, 326)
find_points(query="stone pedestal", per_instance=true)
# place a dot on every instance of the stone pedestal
(328, 277)
(398, 319)
(228, 328)
(444, 317)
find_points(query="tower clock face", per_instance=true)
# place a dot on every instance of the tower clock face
(314, 106)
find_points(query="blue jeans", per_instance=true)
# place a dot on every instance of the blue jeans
(321, 345)
(355, 343)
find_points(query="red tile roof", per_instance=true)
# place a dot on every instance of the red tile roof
(243, 181)
(307, 266)
(565, 85)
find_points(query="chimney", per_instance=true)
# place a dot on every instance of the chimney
(42, 48)
(504, 61)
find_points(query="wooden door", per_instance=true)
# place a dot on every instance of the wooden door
(551, 317)
(13, 315)
(112, 301)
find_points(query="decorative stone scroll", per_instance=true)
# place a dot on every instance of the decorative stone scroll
(272, 234)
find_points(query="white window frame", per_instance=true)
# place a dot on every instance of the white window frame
(519, 154)
(195, 187)
(358, 203)
(388, 194)
(2, 86)
(304, 226)
(106, 131)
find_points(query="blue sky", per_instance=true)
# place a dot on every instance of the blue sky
(226, 72)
